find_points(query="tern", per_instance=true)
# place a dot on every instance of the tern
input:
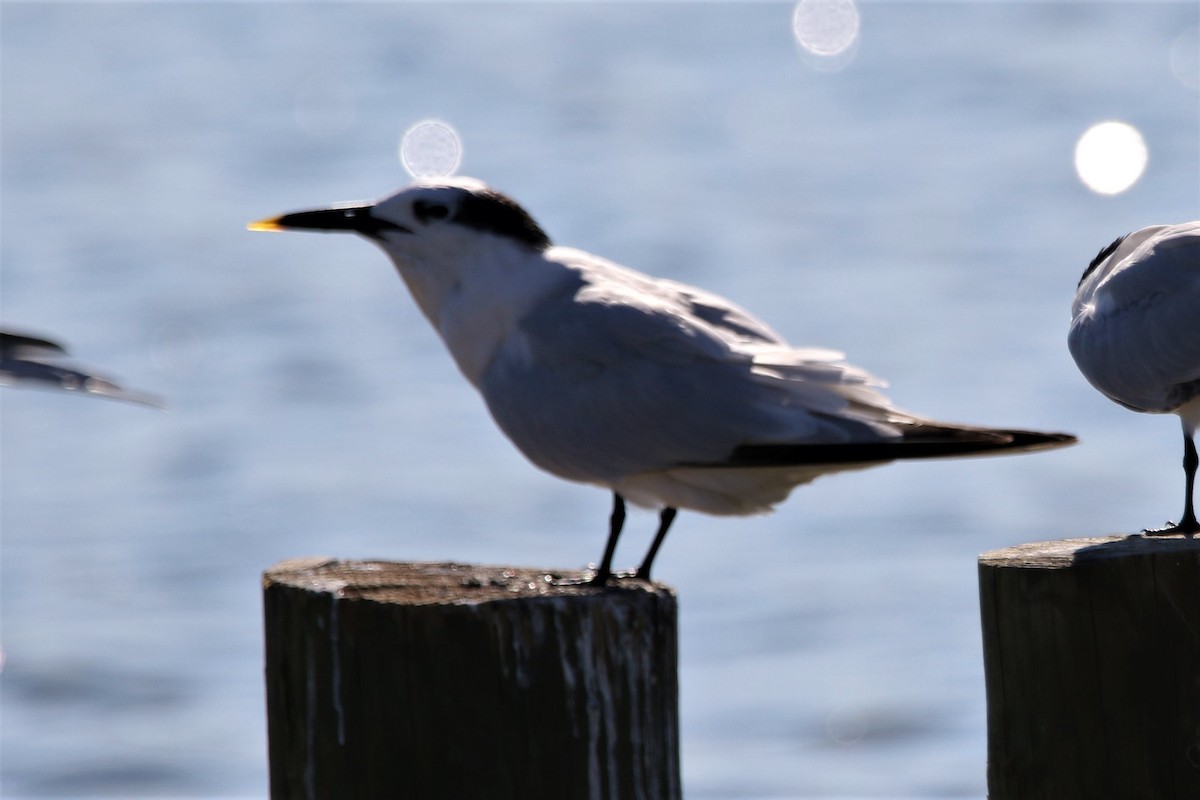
(667, 395)
(1135, 334)
(27, 360)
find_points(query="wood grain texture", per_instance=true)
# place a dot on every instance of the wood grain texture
(1092, 662)
(449, 680)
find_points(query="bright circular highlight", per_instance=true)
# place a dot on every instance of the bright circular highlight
(826, 28)
(1110, 157)
(431, 149)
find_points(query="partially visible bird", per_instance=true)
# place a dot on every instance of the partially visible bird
(31, 361)
(665, 394)
(1135, 333)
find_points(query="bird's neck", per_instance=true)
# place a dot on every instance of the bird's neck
(475, 301)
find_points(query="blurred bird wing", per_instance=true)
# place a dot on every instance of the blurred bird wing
(19, 373)
(21, 345)
(27, 361)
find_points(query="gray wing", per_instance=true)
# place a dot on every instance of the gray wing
(611, 380)
(1138, 341)
(33, 361)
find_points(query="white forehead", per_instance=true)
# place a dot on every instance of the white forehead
(456, 181)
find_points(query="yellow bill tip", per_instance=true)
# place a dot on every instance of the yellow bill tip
(269, 224)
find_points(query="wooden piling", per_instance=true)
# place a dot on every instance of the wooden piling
(459, 681)
(1092, 661)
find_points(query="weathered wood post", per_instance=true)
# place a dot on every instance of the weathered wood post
(458, 681)
(1092, 659)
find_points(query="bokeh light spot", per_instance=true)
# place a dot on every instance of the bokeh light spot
(827, 30)
(1110, 157)
(431, 149)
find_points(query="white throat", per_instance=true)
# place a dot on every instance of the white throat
(476, 297)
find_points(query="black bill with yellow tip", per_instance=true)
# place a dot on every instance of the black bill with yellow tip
(351, 218)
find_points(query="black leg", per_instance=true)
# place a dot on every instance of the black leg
(615, 523)
(1188, 525)
(664, 523)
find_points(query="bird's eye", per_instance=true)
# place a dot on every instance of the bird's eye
(426, 211)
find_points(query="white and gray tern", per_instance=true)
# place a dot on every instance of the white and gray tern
(1135, 333)
(667, 395)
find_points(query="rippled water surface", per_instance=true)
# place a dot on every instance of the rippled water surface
(915, 204)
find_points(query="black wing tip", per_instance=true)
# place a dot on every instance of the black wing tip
(938, 443)
(12, 341)
(1037, 440)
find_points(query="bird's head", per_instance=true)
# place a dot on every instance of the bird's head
(470, 255)
(439, 217)
(436, 233)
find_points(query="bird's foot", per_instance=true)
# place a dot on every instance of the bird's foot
(1188, 528)
(598, 579)
(582, 579)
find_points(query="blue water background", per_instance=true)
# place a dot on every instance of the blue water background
(917, 209)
